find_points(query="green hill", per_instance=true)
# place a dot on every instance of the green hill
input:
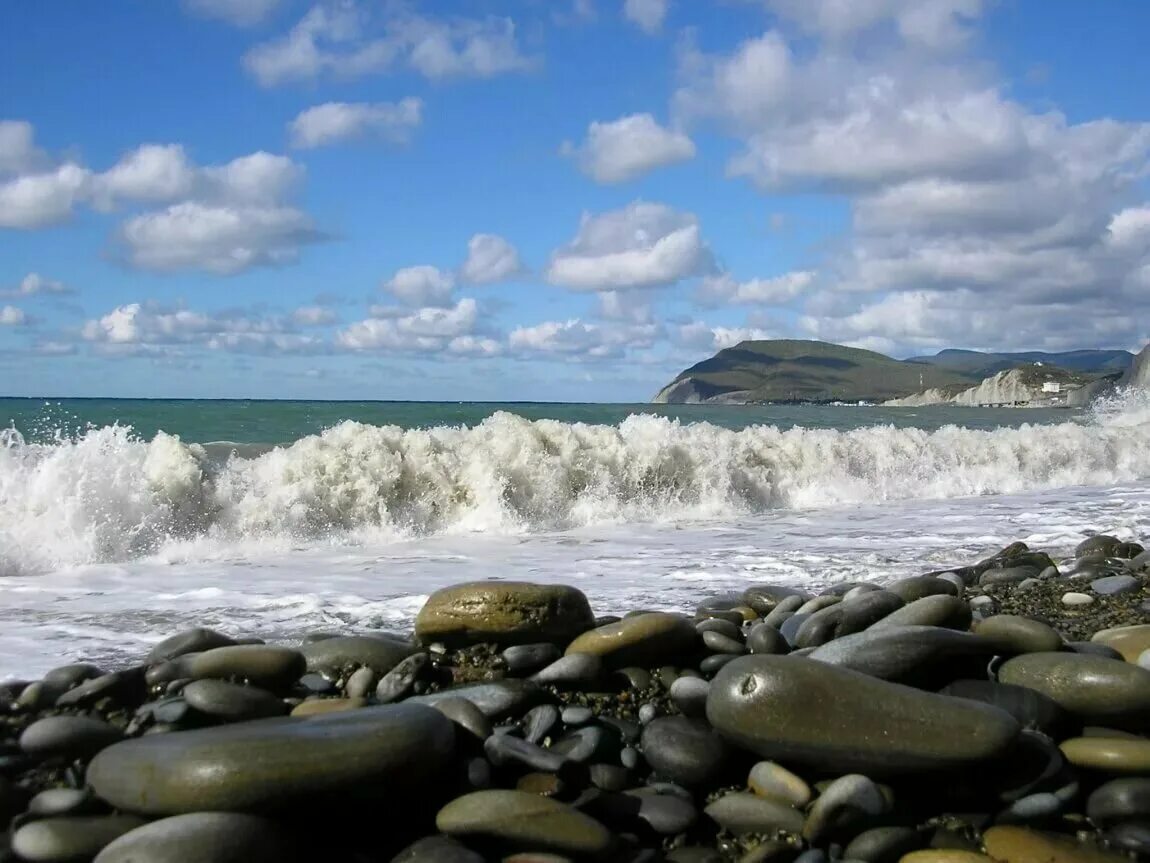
(793, 370)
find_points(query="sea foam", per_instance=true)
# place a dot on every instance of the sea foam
(107, 496)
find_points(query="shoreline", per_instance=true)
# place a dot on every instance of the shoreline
(982, 708)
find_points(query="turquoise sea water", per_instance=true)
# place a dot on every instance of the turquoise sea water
(281, 422)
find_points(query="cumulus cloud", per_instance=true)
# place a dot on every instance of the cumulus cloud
(239, 13)
(699, 335)
(490, 259)
(220, 219)
(219, 239)
(336, 122)
(10, 316)
(648, 15)
(421, 285)
(33, 285)
(428, 330)
(314, 316)
(149, 328)
(640, 246)
(628, 148)
(575, 339)
(961, 198)
(725, 289)
(349, 42)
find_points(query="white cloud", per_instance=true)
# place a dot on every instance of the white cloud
(490, 259)
(152, 173)
(724, 289)
(579, 340)
(219, 239)
(33, 285)
(702, 336)
(932, 24)
(628, 148)
(41, 199)
(641, 245)
(350, 42)
(314, 316)
(240, 13)
(648, 15)
(955, 190)
(334, 122)
(148, 328)
(259, 178)
(421, 286)
(18, 151)
(424, 330)
(10, 316)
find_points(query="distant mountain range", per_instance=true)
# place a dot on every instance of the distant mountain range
(811, 371)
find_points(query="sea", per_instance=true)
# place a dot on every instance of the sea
(123, 521)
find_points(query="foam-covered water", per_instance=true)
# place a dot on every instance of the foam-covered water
(109, 541)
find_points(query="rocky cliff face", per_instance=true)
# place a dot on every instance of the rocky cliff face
(1016, 386)
(1138, 375)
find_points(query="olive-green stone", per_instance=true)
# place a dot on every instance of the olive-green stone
(373, 752)
(504, 612)
(1099, 690)
(645, 640)
(524, 820)
(801, 712)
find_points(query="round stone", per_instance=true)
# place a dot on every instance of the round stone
(684, 750)
(232, 701)
(924, 656)
(322, 706)
(937, 610)
(741, 813)
(689, 694)
(799, 711)
(764, 598)
(1012, 634)
(919, 586)
(768, 779)
(467, 716)
(218, 837)
(764, 638)
(70, 838)
(190, 641)
(573, 670)
(1120, 800)
(394, 751)
(525, 821)
(1074, 599)
(504, 612)
(1099, 690)
(398, 683)
(717, 642)
(843, 804)
(1009, 844)
(1130, 641)
(437, 849)
(1115, 585)
(273, 668)
(496, 699)
(68, 737)
(1109, 754)
(525, 658)
(345, 654)
(846, 618)
(881, 844)
(645, 639)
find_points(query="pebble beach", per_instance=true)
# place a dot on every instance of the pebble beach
(993, 711)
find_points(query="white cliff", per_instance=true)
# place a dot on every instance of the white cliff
(1022, 386)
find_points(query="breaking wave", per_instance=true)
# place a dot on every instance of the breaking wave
(107, 495)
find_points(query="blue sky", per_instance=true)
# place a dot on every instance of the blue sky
(556, 199)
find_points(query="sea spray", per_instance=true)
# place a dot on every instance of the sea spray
(105, 495)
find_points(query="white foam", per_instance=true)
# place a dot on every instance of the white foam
(107, 496)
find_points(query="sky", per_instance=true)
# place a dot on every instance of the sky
(556, 200)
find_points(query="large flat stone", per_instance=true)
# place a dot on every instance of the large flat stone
(504, 612)
(801, 712)
(267, 764)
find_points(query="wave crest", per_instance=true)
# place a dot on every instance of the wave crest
(106, 495)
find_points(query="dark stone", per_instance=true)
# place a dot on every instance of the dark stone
(437, 849)
(1120, 800)
(1032, 709)
(190, 641)
(1097, 690)
(684, 750)
(232, 701)
(575, 670)
(924, 656)
(884, 844)
(386, 753)
(127, 688)
(68, 737)
(525, 658)
(520, 820)
(496, 699)
(764, 598)
(846, 618)
(591, 743)
(203, 837)
(336, 656)
(63, 839)
(503, 749)
(799, 711)
(764, 638)
(539, 722)
(400, 681)
(918, 586)
(937, 610)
